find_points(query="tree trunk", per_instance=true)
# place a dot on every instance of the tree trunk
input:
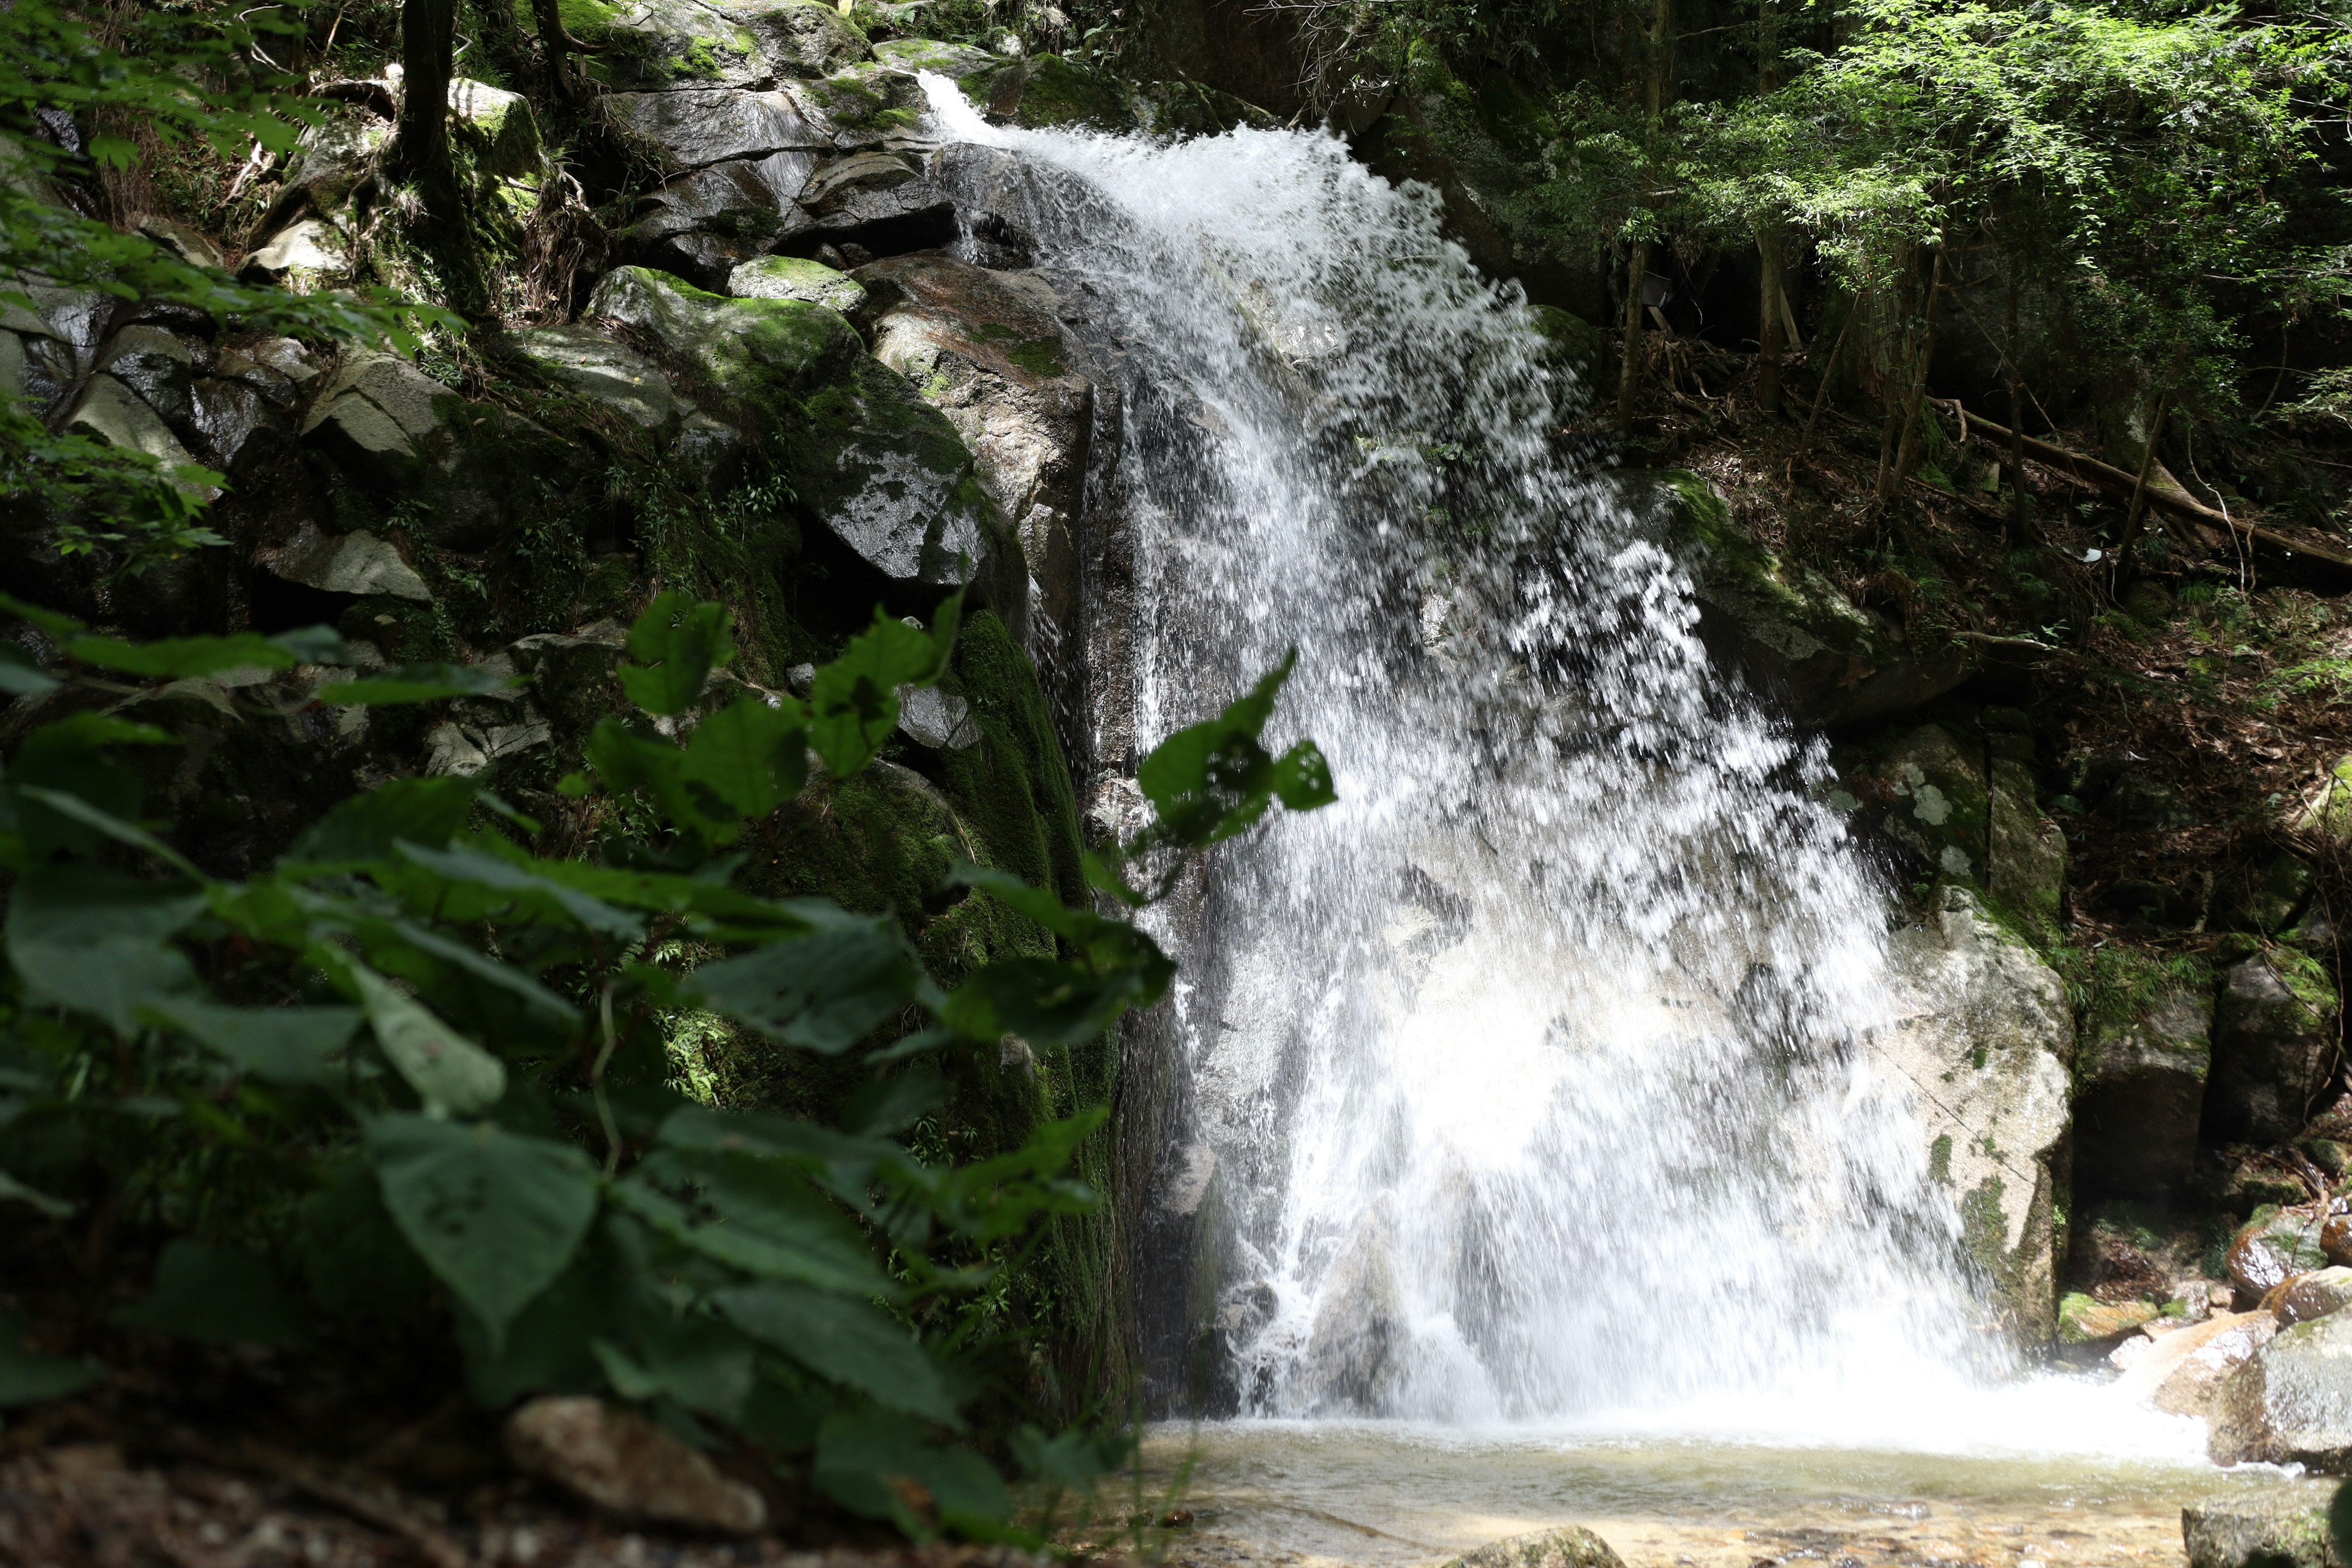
(1907, 450)
(2020, 521)
(1768, 329)
(420, 148)
(554, 44)
(1629, 374)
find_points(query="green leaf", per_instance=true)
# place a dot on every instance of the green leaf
(450, 1073)
(29, 1379)
(763, 1218)
(58, 625)
(823, 992)
(701, 1362)
(842, 1340)
(749, 755)
(495, 1215)
(418, 683)
(314, 644)
(285, 1044)
(219, 1295)
(20, 675)
(1302, 778)
(462, 863)
(13, 1190)
(1212, 781)
(365, 827)
(74, 807)
(864, 1459)
(854, 705)
(182, 659)
(677, 643)
(96, 942)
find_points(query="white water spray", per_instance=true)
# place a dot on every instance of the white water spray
(1535, 1073)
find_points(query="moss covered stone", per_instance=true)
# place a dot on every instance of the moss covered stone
(1058, 94)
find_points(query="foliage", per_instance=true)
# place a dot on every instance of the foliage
(182, 75)
(414, 1051)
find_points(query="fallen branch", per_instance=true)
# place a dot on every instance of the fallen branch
(1992, 640)
(2170, 498)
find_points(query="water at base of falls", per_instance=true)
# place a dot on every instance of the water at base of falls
(1534, 1081)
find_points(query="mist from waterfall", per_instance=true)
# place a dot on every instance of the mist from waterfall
(1537, 1072)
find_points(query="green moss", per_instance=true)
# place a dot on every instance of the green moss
(1058, 93)
(1039, 357)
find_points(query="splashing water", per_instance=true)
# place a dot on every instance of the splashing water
(1536, 1073)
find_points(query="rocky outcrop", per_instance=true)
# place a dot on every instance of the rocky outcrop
(1825, 661)
(2141, 1097)
(1985, 1040)
(2291, 1402)
(2255, 1534)
(2273, 1040)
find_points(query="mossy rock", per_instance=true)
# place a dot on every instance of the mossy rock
(797, 277)
(990, 81)
(1828, 661)
(1056, 93)
(2086, 1321)
(649, 45)
(1576, 342)
(1927, 789)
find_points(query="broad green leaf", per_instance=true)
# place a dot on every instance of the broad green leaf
(366, 827)
(14, 1191)
(97, 942)
(20, 675)
(1212, 781)
(854, 705)
(26, 1378)
(1302, 778)
(703, 1364)
(764, 1219)
(314, 644)
(677, 643)
(82, 811)
(751, 756)
(865, 1459)
(285, 1044)
(56, 623)
(450, 1073)
(823, 992)
(418, 683)
(217, 1294)
(182, 659)
(494, 1214)
(842, 1340)
(462, 863)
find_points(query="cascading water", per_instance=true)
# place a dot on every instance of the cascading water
(1537, 1073)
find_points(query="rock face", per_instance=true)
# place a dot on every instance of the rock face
(2255, 1534)
(618, 1460)
(2291, 1402)
(2273, 1041)
(1986, 1040)
(985, 348)
(1356, 1345)
(2181, 1373)
(1829, 662)
(2273, 1246)
(2314, 1295)
(2142, 1096)
(1569, 1546)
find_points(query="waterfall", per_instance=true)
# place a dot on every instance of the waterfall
(1534, 1080)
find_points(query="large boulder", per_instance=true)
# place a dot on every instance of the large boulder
(2258, 1533)
(2274, 1245)
(2273, 1039)
(694, 127)
(797, 277)
(1830, 662)
(586, 363)
(986, 350)
(1986, 1038)
(885, 472)
(1356, 1351)
(2142, 1093)
(704, 225)
(2180, 1373)
(656, 43)
(2291, 1402)
(1569, 1546)
(991, 81)
(879, 202)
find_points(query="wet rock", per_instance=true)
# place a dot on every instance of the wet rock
(2335, 1238)
(1056, 93)
(1987, 1032)
(2142, 1094)
(2310, 1296)
(1354, 1353)
(866, 105)
(328, 159)
(2273, 1039)
(156, 365)
(796, 38)
(878, 201)
(2254, 1532)
(225, 415)
(500, 125)
(2181, 1372)
(794, 278)
(1569, 1546)
(2290, 1402)
(2084, 1320)
(303, 256)
(620, 1461)
(2273, 1246)
(194, 248)
(572, 677)
(705, 224)
(991, 83)
(354, 563)
(1926, 789)
(2025, 852)
(987, 351)
(692, 128)
(935, 718)
(1830, 662)
(588, 364)
(712, 451)
(886, 473)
